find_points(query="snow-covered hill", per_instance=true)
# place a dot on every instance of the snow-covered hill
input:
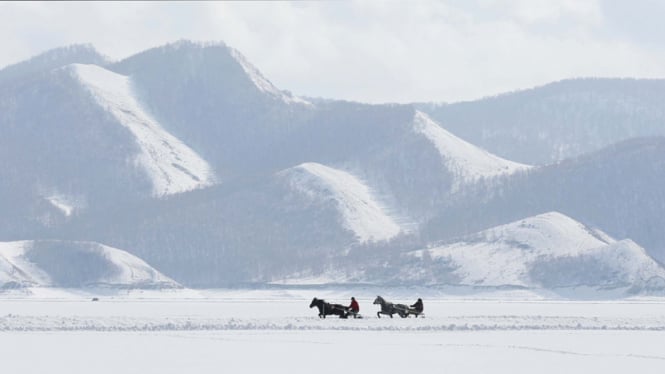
(546, 251)
(54, 263)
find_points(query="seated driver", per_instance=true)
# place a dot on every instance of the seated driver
(354, 307)
(418, 306)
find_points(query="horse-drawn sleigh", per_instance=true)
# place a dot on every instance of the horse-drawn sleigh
(327, 309)
(401, 310)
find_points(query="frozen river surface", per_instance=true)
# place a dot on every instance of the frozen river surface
(275, 331)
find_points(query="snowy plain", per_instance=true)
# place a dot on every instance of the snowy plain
(206, 331)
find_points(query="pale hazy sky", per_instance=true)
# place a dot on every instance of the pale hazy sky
(372, 51)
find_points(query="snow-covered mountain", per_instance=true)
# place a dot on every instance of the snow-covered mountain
(550, 250)
(54, 263)
(559, 120)
(212, 99)
(192, 159)
(618, 189)
(311, 212)
(170, 164)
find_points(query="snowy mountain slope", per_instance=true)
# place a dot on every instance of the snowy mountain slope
(250, 231)
(619, 264)
(194, 58)
(361, 211)
(417, 164)
(210, 97)
(61, 152)
(618, 189)
(74, 264)
(468, 162)
(546, 251)
(16, 270)
(173, 167)
(89, 153)
(262, 83)
(559, 120)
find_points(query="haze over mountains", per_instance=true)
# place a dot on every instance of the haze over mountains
(187, 157)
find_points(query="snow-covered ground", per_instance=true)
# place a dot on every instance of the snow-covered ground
(275, 330)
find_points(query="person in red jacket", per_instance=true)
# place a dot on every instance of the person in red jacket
(354, 307)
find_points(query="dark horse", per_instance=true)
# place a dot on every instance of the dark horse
(326, 309)
(390, 308)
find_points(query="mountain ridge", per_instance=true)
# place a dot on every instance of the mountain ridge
(131, 154)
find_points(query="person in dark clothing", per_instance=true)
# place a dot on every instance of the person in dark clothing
(354, 307)
(418, 306)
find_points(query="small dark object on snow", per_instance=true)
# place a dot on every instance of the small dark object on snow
(95, 299)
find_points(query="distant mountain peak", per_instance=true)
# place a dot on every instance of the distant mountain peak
(52, 59)
(189, 43)
(205, 55)
(74, 49)
(262, 83)
(67, 53)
